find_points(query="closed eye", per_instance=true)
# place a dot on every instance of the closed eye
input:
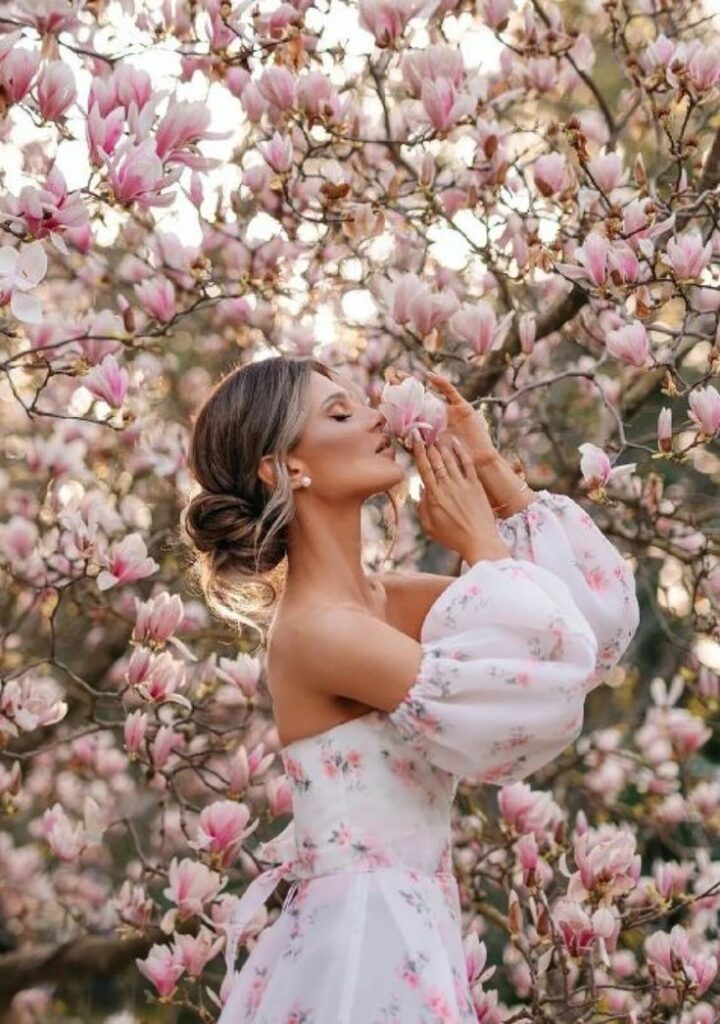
(341, 416)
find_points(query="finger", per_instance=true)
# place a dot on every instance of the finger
(442, 384)
(436, 460)
(451, 463)
(465, 459)
(422, 462)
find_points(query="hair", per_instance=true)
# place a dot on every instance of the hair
(236, 525)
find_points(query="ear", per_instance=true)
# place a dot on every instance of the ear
(266, 471)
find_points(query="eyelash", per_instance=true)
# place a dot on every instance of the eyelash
(341, 416)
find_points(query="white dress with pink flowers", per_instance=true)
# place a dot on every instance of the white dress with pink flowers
(370, 931)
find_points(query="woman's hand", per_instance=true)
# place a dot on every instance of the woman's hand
(454, 508)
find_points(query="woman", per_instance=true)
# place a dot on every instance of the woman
(389, 689)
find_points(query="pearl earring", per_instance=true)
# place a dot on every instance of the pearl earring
(305, 481)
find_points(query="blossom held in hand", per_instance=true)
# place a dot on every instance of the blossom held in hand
(410, 409)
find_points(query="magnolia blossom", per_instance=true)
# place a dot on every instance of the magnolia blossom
(278, 152)
(607, 171)
(136, 174)
(551, 174)
(527, 329)
(687, 255)
(596, 468)
(409, 409)
(126, 562)
(580, 930)
(675, 962)
(705, 409)
(608, 864)
(158, 618)
(192, 885)
(630, 343)
(29, 703)
(476, 956)
(162, 966)
(386, 19)
(134, 731)
(108, 381)
(17, 71)
(444, 104)
(278, 86)
(56, 90)
(21, 271)
(157, 297)
(195, 951)
(242, 671)
(221, 830)
(664, 430)
(477, 324)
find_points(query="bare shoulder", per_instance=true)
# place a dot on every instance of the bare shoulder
(409, 596)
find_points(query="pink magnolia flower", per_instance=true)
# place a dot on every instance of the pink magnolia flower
(18, 538)
(192, 885)
(133, 904)
(476, 955)
(527, 329)
(56, 90)
(103, 132)
(674, 961)
(158, 618)
(126, 562)
(630, 343)
(243, 672)
(704, 68)
(184, 124)
(163, 967)
(278, 86)
(477, 324)
(221, 830)
(108, 381)
(608, 864)
(607, 171)
(17, 71)
(705, 409)
(551, 174)
(317, 96)
(29, 703)
(593, 259)
(131, 86)
(46, 211)
(581, 930)
(163, 677)
(432, 63)
(65, 839)
(165, 742)
(664, 430)
(195, 951)
(623, 263)
(444, 104)
(134, 731)
(50, 17)
(21, 271)
(596, 468)
(687, 255)
(497, 13)
(157, 297)
(386, 19)
(426, 309)
(278, 152)
(136, 174)
(409, 408)
(279, 795)
(526, 810)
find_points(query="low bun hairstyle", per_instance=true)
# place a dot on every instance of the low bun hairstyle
(235, 525)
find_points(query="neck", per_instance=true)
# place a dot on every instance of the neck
(325, 555)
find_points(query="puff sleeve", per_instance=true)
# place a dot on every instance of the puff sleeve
(555, 532)
(500, 690)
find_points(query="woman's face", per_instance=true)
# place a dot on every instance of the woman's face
(338, 447)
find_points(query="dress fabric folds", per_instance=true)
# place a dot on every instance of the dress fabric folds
(370, 931)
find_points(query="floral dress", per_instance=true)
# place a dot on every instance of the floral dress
(370, 931)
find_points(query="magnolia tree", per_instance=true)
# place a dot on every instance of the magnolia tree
(523, 196)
